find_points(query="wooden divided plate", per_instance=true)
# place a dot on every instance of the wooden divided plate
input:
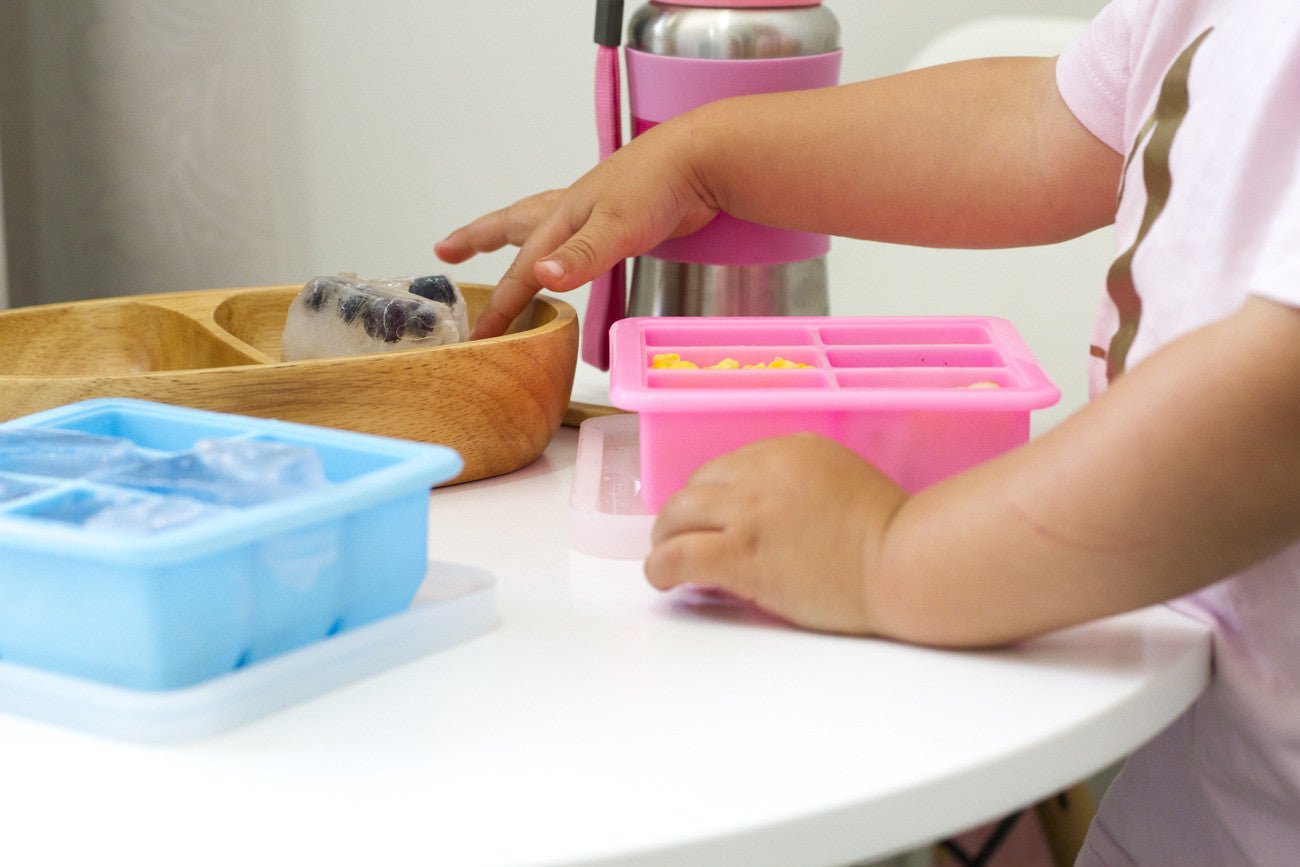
(497, 401)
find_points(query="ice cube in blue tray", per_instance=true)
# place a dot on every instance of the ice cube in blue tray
(62, 454)
(16, 487)
(163, 607)
(227, 472)
(118, 511)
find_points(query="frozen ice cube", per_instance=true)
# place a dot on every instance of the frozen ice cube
(64, 454)
(344, 315)
(146, 513)
(119, 511)
(230, 472)
(11, 487)
(281, 469)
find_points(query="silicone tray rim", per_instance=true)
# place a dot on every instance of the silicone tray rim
(629, 389)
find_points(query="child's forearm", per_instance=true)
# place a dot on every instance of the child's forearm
(975, 154)
(1187, 470)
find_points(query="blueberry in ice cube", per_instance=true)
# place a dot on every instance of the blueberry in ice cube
(435, 287)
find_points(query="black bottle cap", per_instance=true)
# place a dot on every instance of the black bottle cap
(609, 23)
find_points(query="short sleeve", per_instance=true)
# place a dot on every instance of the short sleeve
(1093, 73)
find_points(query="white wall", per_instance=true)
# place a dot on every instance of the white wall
(154, 145)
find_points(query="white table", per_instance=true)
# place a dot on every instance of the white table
(603, 722)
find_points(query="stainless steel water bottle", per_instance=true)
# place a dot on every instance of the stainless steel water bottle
(683, 54)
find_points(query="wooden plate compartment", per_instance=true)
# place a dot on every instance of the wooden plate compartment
(497, 401)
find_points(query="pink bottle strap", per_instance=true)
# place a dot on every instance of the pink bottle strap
(607, 302)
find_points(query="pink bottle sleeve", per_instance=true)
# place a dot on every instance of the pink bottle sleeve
(748, 4)
(661, 87)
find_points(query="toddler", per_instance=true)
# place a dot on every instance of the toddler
(1178, 120)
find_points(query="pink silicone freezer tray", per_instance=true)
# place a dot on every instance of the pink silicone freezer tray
(897, 390)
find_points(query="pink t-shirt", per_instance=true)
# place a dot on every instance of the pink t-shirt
(1203, 96)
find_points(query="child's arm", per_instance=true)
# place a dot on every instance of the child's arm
(1185, 471)
(976, 154)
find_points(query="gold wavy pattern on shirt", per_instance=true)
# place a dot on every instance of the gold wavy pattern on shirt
(1158, 132)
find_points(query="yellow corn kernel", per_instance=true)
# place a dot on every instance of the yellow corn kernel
(670, 361)
(673, 361)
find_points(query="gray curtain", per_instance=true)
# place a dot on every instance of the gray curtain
(138, 146)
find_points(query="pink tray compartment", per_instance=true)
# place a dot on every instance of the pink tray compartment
(893, 389)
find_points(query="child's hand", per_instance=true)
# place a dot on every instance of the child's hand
(645, 192)
(791, 524)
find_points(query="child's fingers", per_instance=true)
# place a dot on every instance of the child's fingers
(483, 235)
(596, 246)
(695, 540)
(524, 278)
(707, 558)
(512, 225)
(563, 253)
(455, 248)
(695, 508)
(511, 295)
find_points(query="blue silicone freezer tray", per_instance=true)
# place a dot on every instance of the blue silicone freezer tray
(176, 607)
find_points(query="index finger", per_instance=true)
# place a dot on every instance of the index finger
(520, 282)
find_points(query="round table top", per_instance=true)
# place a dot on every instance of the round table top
(601, 721)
